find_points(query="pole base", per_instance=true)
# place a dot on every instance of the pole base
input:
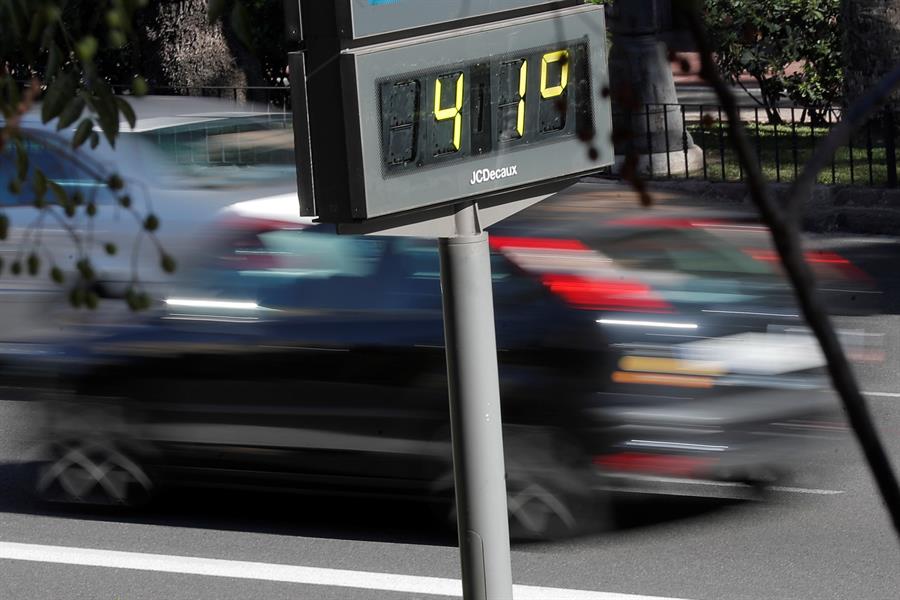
(663, 164)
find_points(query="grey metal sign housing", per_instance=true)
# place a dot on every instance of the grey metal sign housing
(367, 18)
(475, 112)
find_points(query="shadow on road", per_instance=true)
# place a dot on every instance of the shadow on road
(379, 519)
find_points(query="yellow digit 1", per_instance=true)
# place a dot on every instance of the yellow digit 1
(452, 112)
(552, 57)
(520, 122)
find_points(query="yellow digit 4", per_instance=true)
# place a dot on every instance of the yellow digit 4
(552, 57)
(451, 112)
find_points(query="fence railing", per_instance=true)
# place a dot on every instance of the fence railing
(691, 141)
(694, 142)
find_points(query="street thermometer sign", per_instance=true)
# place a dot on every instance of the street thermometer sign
(390, 125)
(437, 118)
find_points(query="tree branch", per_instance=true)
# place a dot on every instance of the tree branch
(786, 238)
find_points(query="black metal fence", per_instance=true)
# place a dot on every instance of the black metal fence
(694, 142)
(684, 141)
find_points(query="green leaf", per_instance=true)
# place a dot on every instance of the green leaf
(91, 300)
(11, 88)
(54, 60)
(59, 93)
(85, 269)
(86, 48)
(151, 223)
(95, 140)
(115, 19)
(104, 104)
(240, 23)
(116, 39)
(37, 26)
(167, 263)
(52, 13)
(56, 275)
(127, 111)
(4, 226)
(216, 9)
(76, 297)
(110, 248)
(143, 301)
(70, 113)
(40, 182)
(21, 160)
(139, 86)
(34, 264)
(115, 182)
(62, 198)
(85, 129)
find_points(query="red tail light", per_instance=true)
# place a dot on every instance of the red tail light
(568, 268)
(600, 294)
(530, 243)
(657, 464)
(819, 259)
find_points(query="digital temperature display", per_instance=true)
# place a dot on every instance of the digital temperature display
(491, 104)
(490, 112)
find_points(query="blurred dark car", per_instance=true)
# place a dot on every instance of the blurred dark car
(299, 359)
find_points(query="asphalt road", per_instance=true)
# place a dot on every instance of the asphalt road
(824, 535)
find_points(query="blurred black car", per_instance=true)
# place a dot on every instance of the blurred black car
(295, 358)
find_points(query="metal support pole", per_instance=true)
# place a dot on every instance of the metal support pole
(475, 425)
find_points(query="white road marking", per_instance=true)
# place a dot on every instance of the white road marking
(756, 314)
(883, 394)
(728, 484)
(647, 323)
(214, 567)
(799, 490)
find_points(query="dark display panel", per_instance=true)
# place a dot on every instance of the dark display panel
(485, 106)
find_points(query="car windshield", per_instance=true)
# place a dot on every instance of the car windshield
(688, 251)
(230, 151)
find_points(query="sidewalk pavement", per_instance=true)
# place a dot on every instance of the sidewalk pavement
(831, 209)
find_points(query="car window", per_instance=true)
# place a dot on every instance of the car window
(57, 166)
(417, 266)
(291, 268)
(681, 250)
(311, 255)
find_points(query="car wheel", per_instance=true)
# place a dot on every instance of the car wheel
(96, 473)
(550, 491)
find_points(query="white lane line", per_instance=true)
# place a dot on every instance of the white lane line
(798, 490)
(214, 567)
(728, 484)
(883, 394)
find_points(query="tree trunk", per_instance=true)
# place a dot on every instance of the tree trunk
(871, 45)
(184, 51)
